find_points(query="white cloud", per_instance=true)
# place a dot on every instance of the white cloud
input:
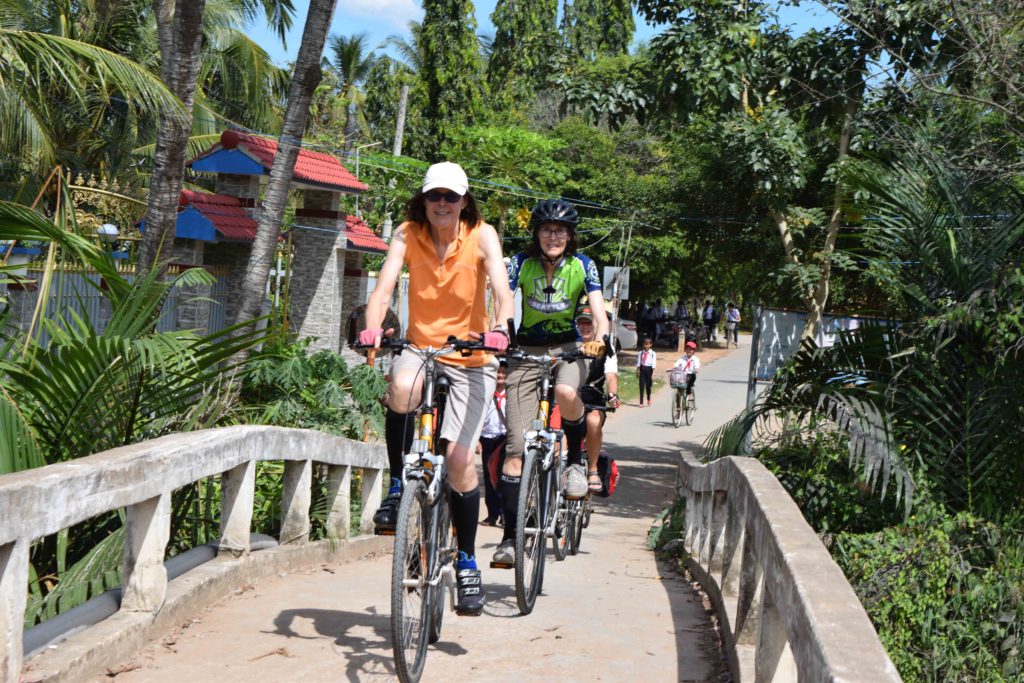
(395, 12)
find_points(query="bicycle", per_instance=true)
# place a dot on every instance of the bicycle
(578, 510)
(684, 402)
(423, 564)
(538, 515)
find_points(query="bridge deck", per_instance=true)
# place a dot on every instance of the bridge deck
(611, 613)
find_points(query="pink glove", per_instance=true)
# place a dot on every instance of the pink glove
(370, 335)
(496, 339)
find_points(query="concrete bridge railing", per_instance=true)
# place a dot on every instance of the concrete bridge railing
(786, 611)
(141, 479)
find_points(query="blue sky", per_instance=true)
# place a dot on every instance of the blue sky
(381, 18)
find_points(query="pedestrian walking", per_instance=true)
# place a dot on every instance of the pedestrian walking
(646, 361)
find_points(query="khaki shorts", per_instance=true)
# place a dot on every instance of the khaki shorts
(523, 390)
(471, 390)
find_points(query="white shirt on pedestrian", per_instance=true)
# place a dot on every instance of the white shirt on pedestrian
(646, 358)
(732, 315)
(494, 418)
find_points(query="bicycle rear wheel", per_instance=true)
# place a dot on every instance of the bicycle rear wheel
(676, 408)
(691, 405)
(575, 525)
(530, 537)
(411, 608)
(560, 539)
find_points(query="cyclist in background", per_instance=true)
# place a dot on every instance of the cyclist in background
(690, 365)
(598, 391)
(553, 278)
(450, 253)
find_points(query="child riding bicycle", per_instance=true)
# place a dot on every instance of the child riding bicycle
(686, 368)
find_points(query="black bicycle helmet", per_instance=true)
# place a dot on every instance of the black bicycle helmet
(554, 211)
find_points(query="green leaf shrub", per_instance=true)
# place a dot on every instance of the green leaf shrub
(946, 594)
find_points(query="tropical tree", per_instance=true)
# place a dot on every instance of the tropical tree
(521, 50)
(306, 76)
(179, 36)
(38, 69)
(595, 28)
(85, 391)
(352, 65)
(451, 71)
(929, 401)
(508, 156)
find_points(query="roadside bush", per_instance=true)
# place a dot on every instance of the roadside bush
(289, 387)
(815, 471)
(946, 594)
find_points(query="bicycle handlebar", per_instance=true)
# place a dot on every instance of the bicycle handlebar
(451, 345)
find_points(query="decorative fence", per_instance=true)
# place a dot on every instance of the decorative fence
(786, 611)
(75, 292)
(141, 479)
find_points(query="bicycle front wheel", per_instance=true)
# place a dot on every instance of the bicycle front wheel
(447, 550)
(676, 408)
(410, 590)
(530, 536)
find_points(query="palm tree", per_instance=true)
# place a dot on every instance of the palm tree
(934, 399)
(305, 78)
(51, 83)
(352, 65)
(410, 51)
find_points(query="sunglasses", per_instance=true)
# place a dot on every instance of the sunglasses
(436, 196)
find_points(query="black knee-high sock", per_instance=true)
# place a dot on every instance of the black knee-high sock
(574, 433)
(465, 514)
(399, 428)
(509, 488)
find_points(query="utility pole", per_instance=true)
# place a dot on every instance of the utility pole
(396, 150)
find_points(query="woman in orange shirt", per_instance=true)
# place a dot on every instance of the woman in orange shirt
(451, 252)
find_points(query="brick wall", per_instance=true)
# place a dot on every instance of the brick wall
(317, 284)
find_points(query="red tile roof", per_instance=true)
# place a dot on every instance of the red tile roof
(361, 238)
(315, 168)
(226, 214)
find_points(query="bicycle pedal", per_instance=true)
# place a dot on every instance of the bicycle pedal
(502, 565)
(377, 531)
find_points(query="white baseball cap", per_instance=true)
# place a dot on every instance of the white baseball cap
(447, 175)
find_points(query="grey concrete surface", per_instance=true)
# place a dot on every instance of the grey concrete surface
(611, 613)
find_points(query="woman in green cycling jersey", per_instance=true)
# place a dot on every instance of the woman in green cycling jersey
(554, 278)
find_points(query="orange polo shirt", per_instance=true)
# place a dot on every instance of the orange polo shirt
(446, 298)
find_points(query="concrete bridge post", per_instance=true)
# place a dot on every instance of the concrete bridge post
(371, 496)
(773, 659)
(147, 530)
(296, 496)
(339, 501)
(238, 492)
(13, 580)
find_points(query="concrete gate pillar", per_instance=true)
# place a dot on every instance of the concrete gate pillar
(318, 271)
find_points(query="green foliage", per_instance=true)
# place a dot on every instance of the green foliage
(934, 400)
(946, 594)
(668, 526)
(524, 34)
(815, 472)
(288, 387)
(596, 28)
(451, 71)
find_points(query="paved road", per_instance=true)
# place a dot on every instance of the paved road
(611, 613)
